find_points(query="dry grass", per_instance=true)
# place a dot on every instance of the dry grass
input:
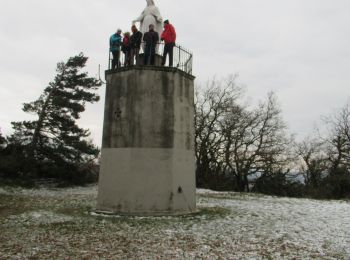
(57, 224)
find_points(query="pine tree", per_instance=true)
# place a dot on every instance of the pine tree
(2, 141)
(54, 138)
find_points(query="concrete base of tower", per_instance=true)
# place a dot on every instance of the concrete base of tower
(146, 182)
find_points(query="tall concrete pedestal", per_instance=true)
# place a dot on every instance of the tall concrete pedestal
(148, 164)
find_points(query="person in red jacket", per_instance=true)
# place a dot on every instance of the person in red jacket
(169, 38)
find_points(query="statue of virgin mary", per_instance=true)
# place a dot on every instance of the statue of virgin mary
(150, 15)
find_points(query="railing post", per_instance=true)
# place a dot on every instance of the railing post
(179, 64)
(109, 60)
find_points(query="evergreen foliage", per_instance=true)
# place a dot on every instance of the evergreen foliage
(53, 144)
(2, 142)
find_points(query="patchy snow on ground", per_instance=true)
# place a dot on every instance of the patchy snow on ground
(38, 218)
(59, 224)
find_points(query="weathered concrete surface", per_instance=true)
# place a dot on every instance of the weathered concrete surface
(157, 60)
(147, 164)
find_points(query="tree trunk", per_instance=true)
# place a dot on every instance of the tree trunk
(246, 183)
(240, 183)
(39, 126)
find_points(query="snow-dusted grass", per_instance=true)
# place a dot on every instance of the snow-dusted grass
(58, 224)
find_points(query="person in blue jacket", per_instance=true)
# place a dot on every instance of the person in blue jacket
(115, 42)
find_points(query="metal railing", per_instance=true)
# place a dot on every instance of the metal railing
(182, 58)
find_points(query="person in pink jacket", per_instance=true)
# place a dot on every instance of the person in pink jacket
(169, 38)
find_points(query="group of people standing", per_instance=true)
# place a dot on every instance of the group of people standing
(130, 45)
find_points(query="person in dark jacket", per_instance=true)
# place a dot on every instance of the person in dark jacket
(135, 44)
(126, 48)
(169, 38)
(115, 41)
(151, 39)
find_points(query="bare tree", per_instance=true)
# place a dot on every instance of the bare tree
(212, 104)
(232, 140)
(338, 139)
(256, 142)
(314, 163)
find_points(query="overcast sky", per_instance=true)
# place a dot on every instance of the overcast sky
(297, 48)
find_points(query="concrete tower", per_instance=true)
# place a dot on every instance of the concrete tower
(148, 164)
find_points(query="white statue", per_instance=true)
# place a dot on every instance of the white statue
(150, 15)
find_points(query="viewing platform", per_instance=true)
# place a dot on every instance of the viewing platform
(182, 60)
